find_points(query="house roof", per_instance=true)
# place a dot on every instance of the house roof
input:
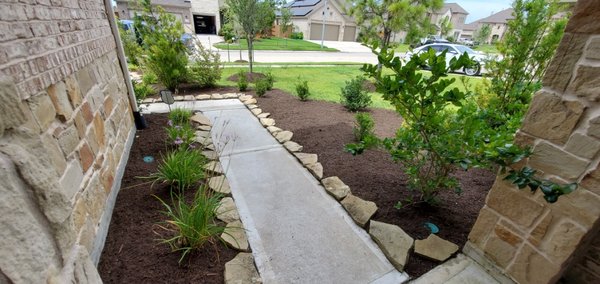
(501, 17)
(454, 7)
(300, 8)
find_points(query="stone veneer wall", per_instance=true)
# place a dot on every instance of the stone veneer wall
(65, 127)
(529, 240)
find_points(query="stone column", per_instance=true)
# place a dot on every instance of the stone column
(517, 232)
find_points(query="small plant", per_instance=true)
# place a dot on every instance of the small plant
(297, 35)
(181, 168)
(270, 80)
(363, 127)
(205, 69)
(141, 90)
(261, 87)
(354, 97)
(182, 136)
(149, 78)
(192, 225)
(302, 90)
(180, 116)
(242, 82)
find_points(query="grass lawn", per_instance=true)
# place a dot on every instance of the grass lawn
(276, 43)
(324, 82)
(487, 48)
(402, 48)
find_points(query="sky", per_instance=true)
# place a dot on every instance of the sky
(481, 8)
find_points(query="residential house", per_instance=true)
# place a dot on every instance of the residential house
(498, 23)
(308, 17)
(197, 16)
(455, 13)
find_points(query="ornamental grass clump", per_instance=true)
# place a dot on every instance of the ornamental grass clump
(181, 168)
(180, 116)
(191, 226)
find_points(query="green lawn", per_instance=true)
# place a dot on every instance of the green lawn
(487, 48)
(324, 82)
(402, 48)
(276, 43)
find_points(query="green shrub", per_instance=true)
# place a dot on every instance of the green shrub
(363, 127)
(242, 82)
(181, 168)
(270, 80)
(302, 90)
(261, 87)
(180, 116)
(165, 53)
(141, 91)
(354, 96)
(205, 69)
(149, 78)
(181, 135)
(191, 226)
(297, 35)
(133, 51)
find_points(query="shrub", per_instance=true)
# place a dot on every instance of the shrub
(363, 127)
(297, 35)
(165, 53)
(149, 78)
(192, 225)
(141, 90)
(354, 96)
(131, 47)
(180, 116)
(181, 168)
(270, 80)
(261, 87)
(182, 136)
(242, 82)
(302, 90)
(205, 69)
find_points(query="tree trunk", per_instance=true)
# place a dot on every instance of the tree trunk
(250, 51)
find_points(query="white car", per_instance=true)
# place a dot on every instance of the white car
(454, 51)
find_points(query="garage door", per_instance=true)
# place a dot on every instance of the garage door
(349, 33)
(332, 32)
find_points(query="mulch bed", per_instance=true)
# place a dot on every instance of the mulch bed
(324, 128)
(132, 252)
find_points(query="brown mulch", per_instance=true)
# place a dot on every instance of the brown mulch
(250, 77)
(132, 252)
(324, 128)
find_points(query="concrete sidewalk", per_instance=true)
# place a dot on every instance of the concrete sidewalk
(297, 232)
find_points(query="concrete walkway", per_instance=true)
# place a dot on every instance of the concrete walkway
(297, 232)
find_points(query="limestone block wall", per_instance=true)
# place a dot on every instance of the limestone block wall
(65, 123)
(529, 240)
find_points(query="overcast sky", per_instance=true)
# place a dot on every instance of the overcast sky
(481, 8)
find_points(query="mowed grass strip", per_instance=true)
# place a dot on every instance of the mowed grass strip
(324, 82)
(276, 43)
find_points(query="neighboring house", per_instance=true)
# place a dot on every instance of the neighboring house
(498, 23)
(455, 13)
(308, 17)
(452, 11)
(197, 16)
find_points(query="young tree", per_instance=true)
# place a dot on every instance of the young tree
(379, 19)
(526, 48)
(445, 26)
(250, 16)
(285, 21)
(483, 33)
